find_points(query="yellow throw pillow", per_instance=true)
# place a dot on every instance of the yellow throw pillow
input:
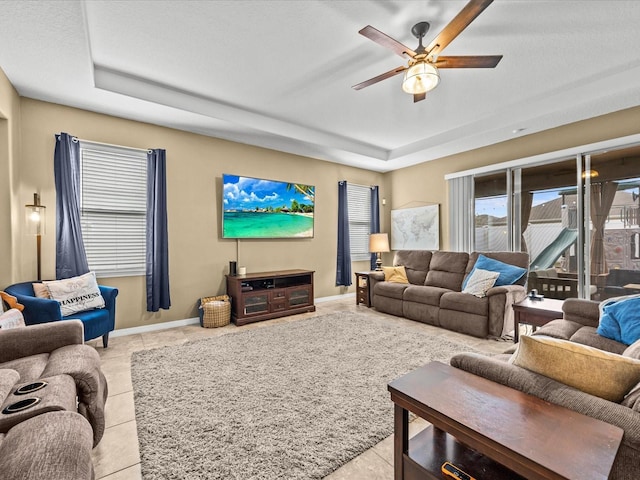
(591, 370)
(395, 274)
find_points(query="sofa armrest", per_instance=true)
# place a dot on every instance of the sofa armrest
(42, 338)
(502, 372)
(39, 310)
(504, 289)
(500, 311)
(109, 294)
(8, 378)
(581, 311)
(374, 277)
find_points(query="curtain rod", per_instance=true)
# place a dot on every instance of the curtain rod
(146, 150)
(358, 185)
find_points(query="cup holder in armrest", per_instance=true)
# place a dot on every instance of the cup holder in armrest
(30, 388)
(21, 405)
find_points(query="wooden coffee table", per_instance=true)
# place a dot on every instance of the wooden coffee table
(536, 313)
(493, 432)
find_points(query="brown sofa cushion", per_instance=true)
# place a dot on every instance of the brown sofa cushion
(584, 311)
(416, 264)
(463, 302)
(447, 270)
(577, 332)
(29, 368)
(51, 446)
(588, 336)
(562, 329)
(390, 289)
(423, 294)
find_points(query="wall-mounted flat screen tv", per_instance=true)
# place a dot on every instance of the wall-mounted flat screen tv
(259, 208)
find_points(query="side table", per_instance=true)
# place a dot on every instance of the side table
(536, 313)
(362, 289)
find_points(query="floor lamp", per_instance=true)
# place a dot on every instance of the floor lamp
(378, 242)
(36, 225)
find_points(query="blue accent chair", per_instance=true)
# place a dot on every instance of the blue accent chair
(98, 322)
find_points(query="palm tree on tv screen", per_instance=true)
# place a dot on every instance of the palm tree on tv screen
(305, 190)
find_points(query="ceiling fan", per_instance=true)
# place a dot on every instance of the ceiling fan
(421, 74)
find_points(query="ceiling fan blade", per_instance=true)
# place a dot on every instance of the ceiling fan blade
(386, 41)
(418, 97)
(457, 25)
(379, 78)
(468, 61)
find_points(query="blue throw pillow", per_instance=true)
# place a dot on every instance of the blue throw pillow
(609, 327)
(620, 320)
(509, 274)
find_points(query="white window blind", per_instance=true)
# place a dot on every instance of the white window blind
(113, 206)
(359, 205)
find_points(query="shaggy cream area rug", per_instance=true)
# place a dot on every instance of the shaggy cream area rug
(289, 401)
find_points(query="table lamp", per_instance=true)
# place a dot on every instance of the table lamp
(378, 243)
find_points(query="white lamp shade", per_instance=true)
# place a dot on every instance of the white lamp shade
(379, 242)
(420, 78)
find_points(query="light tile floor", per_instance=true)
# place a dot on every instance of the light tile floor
(117, 457)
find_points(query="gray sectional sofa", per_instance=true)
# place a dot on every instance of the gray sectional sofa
(434, 292)
(52, 438)
(578, 325)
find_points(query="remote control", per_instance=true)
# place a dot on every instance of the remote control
(452, 471)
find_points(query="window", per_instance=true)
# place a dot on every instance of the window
(113, 205)
(359, 205)
(576, 216)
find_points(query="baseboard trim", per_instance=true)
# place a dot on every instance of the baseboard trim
(154, 327)
(192, 321)
(334, 297)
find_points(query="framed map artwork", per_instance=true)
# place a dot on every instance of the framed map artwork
(416, 228)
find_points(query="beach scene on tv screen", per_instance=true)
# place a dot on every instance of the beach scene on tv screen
(259, 208)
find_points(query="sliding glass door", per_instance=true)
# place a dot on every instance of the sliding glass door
(578, 218)
(612, 179)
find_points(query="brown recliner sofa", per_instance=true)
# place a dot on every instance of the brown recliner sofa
(434, 293)
(67, 419)
(579, 324)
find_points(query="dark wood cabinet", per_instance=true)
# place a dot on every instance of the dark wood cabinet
(535, 312)
(266, 295)
(363, 295)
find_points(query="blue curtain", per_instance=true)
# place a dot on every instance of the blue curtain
(375, 219)
(343, 267)
(71, 258)
(157, 268)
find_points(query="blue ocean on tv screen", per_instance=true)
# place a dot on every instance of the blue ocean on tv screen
(266, 225)
(259, 208)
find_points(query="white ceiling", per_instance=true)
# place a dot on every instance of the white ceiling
(278, 74)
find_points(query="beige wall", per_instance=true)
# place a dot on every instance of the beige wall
(425, 182)
(9, 153)
(198, 257)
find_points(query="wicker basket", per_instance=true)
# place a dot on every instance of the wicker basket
(215, 311)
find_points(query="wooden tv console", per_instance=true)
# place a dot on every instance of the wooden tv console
(265, 295)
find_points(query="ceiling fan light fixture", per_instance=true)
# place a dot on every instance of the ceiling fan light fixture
(420, 78)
